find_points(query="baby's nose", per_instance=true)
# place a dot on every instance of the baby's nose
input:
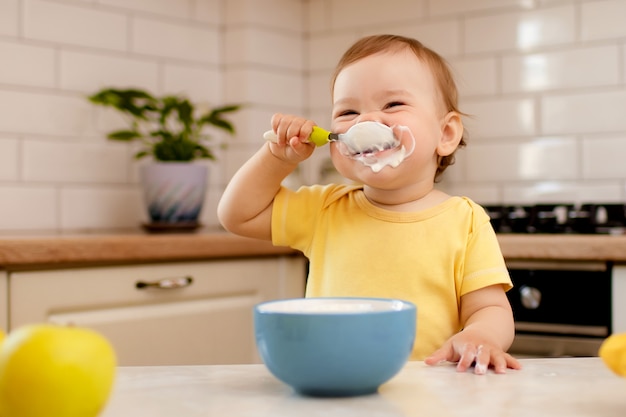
(370, 117)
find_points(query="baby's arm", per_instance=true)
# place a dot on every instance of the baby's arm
(246, 205)
(487, 333)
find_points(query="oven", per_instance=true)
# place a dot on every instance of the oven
(561, 308)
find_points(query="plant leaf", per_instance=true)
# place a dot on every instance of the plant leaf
(141, 154)
(124, 135)
(215, 118)
(168, 126)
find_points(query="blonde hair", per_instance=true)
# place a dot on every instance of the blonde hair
(444, 80)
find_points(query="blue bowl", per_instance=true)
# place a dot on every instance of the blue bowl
(335, 346)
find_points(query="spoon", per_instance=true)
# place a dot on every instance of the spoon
(363, 137)
(319, 136)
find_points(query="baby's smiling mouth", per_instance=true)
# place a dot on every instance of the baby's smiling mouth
(375, 149)
(366, 139)
(376, 146)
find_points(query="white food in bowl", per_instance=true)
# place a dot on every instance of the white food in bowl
(332, 306)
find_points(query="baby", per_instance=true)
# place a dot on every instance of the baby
(391, 233)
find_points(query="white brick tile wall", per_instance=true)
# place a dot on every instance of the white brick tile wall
(604, 157)
(584, 67)
(543, 80)
(53, 155)
(500, 117)
(584, 112)
(58, 22)
(319, 90)
(278, 14)
(245, 45)
(9, 153)
(539, 159)
(252, 122)
(604, 192)
(438, 7)
(351, 14)
(443, 36)
(476, 77)
(27, 65)
(199, 84)
(45, 113)
(88, 72)
(207, 216)
(624, 62)
(46, 161)
(209, 11)
(326, 49)
(216, 173)
(107, 120)
(603, 20)
(554, 192)
(270, 87)
(101, 208)
(161, 7)
(520, 30)
(317, 17)
(28, 207)
(486, 194)
(9, 17)
(176, 40)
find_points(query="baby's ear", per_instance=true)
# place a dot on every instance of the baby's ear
(451, 134)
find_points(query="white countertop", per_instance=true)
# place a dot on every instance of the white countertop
(567, 387)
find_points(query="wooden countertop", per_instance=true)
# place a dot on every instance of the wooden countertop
(564, 247)
(18, 252)
(55, 251)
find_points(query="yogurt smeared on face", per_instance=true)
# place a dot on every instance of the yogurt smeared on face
(375, 145)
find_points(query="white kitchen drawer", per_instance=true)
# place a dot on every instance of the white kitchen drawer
(207, 322)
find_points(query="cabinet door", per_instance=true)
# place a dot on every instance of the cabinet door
(4, 302)
(208, 321)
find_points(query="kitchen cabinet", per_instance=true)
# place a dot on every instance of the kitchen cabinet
(618, 293)
(4, 301)
(182, 313)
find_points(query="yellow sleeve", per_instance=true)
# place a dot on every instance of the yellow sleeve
(484, 264)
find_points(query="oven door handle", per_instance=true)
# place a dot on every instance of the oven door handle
(597, 331)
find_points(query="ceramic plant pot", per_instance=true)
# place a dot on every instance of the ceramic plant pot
(174, 192)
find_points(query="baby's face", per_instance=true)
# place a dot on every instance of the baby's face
(396, 89)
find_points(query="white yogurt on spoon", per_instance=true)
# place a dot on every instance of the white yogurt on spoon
(375, 145)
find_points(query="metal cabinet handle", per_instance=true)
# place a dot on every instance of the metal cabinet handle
(166, 283)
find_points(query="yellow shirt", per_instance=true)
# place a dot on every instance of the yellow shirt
(431, 257)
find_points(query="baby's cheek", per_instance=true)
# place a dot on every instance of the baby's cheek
(342, 164)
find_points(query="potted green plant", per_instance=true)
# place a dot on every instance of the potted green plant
(174, 132)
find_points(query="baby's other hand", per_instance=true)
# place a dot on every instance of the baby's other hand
(466, 350)
(292, 138)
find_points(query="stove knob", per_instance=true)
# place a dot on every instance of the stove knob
(530, 296)
(560, 213)
(602, 215)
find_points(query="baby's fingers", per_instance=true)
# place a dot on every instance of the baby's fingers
(483, 358)
(468, 354)
(499, 360)
(445, 353)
